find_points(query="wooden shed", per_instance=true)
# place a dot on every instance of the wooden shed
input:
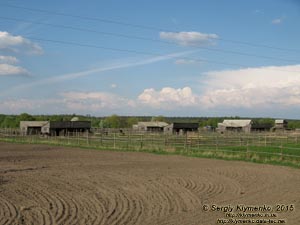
(34, 127)
(181, 128)
(152, 126)
(54, 128)
(281, 124)
(58, 128)
(235, 126)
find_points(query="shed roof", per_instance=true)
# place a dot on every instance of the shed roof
(185, 125)
(236, 123)
(280, 121)
(33, 123)
(262, 126)
(152, 124)
(70, 124)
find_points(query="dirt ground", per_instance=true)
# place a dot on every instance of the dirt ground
(42, 184)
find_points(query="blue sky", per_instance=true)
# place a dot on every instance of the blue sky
(172, 58)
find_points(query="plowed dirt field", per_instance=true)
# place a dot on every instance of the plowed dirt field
(42, 184)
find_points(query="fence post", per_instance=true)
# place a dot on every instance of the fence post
(114, 140)
(265, 140)
(142, 141)
(165, 142)
(77, 135)
(217, 147)
(247, 150)
(185, 142)
(129, 140)
(281, 151)
(198, 140)
(87, 138)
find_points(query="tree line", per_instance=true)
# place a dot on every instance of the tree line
(116, 121)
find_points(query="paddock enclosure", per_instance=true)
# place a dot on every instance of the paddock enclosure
(265, 147)
(42, 184)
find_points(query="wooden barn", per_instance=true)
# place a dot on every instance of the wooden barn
(61, 128)
(265, 127)
(33, 127)
(181, 128)
(54, 128)
(153, 126)
(235, 126)
(281, 125)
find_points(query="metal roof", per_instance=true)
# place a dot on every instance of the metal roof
(185, 125)
(236, 123)
(57, 124)
(33, 123)
(152, 124)
(70, 124)
(280, 121)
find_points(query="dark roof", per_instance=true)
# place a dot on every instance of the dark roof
(185, 125)
(262, 126)
(70, 124)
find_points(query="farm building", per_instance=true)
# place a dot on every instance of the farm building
(235, 126)
(181, 128)
(58, 128)
(281, 124)
(150, 126)
(33, 127)
(261, 127)
(55, 128)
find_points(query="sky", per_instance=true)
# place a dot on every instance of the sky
(147, 58)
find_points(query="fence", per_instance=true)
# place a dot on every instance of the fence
(266, 147)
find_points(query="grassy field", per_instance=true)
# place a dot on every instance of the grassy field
(271, 148)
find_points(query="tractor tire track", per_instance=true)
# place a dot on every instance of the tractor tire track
(74, 186)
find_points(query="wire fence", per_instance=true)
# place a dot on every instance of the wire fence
(268, 146)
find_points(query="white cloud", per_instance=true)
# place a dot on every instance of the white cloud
(185, 61)
(113, 85)
(263, 91)
(258, 11)
(69, 102)
(16, 105)
(189, 38)
(9, 70)
(72, 76)
(21, 105)
(95, 101)
(18, 44)
(8, 59)
(266, 87)
(15, 44)
(168, 98)
(276, 21)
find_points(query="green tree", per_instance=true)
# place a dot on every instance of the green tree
(10, 122)
(131, 121)
(294, 124)
(25, 117)
(112, 121)
(2, 118)
(95, 122)
(159, 118)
